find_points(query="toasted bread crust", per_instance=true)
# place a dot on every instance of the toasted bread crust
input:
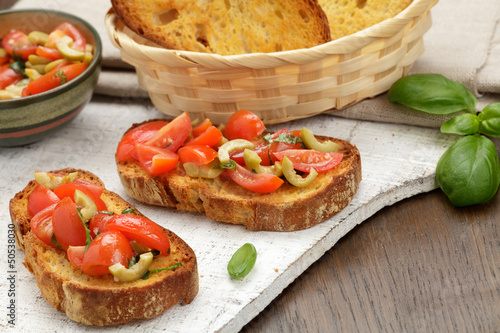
(286, 209)
(102, 301)
(227, 27)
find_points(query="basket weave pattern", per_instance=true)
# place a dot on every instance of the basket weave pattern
(278, 86)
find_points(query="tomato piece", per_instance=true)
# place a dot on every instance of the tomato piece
(79, 41)
(75, 255)
(139, 134)
(305, 159)
(8, 76)
(197, 154)
(4, 59)
(40, 198)
(97, 223)
(16, 44)
(156, 160)
(140, 229)
(68, 190)
(201, 127)
(106, 249)
(56, 78)
(211, 137)
(243, 124)
(67, 224)
(96, 189)
(172, 135)
(48, 52)
(257, 182)
(41, 225)
(53, 38)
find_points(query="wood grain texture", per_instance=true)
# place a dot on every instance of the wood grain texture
(420, 265)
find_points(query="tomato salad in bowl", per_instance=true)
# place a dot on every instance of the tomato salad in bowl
(39, 61)
(257, 161)
(67, 213)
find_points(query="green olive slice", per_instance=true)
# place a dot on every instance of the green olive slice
(88, 207)
(292, 176)
(38, 37)
(253, 160)
(204, 171)
(64, 47)
(135, 272)
(52, 181)
(230, 146)
(312, 143)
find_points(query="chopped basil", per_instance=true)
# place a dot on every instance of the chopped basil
(88, 239)
(146, 275)
(62, 76)
(107, 212)
(284, 138)
(54, 242)
(129, 211)
(230, 165)
(18, 67)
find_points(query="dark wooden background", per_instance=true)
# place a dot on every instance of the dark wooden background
(420, 265)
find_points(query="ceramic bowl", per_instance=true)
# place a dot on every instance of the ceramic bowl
(29, 119)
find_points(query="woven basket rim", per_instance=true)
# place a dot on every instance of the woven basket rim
(344, 45)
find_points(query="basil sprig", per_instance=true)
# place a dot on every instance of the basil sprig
(469, 171)
(242, 261)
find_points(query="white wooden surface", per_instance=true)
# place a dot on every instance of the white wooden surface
(398, 162)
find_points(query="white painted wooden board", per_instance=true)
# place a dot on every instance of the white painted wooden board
(398, 162)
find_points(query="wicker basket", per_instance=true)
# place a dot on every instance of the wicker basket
(278, 86)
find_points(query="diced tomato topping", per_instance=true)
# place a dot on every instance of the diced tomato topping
(68, 190)
(107, 249)
(41, 225)
(243, 124)
(305, 159)
(156, 160)
(97, 222)
(197, 154)
(139, 134)
(172, 135)
(16, 44)
(67, 224)
(48, 52)
(56, 78)
(211, 137)
(75, 255)
(201, 127)
(140, 229)
(40, 198)
(257, 182)
(8, 76)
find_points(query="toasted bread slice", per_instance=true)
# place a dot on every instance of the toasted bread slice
(286, 209)
(227, 27)
(349, 16)
(102, 301)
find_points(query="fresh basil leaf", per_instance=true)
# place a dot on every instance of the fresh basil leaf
(464, 124)
(19, 67)
(88, 239)
(469, 171)
(146, 274)
(489, 120)
(432, 93)
(242, 261)
(288, 138)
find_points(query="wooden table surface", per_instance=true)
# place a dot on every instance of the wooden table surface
(420, 265)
